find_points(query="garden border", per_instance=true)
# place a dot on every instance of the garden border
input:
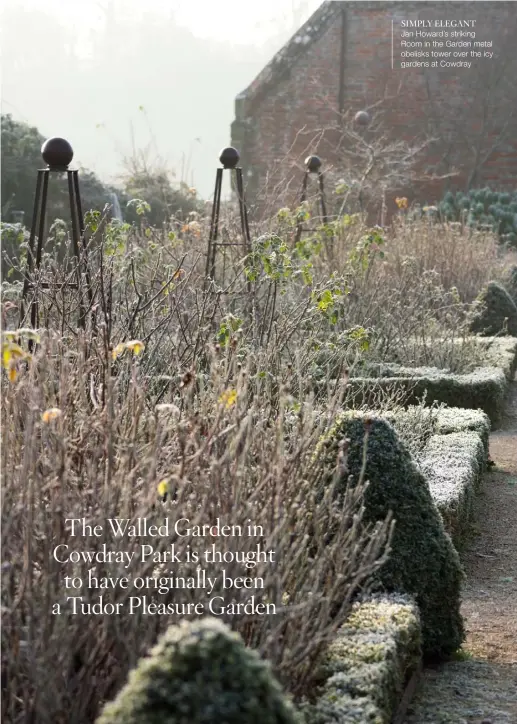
(374, 665)
(483, 389)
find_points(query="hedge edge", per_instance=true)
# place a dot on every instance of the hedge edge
(483, 389)
(453, 462)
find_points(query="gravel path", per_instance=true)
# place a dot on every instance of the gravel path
(482, 688)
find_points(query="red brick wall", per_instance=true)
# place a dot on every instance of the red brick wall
(294, 111)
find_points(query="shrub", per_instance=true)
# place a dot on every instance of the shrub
(253, 465)
(484, 389)
(369, 663)
(450, 419)
(423, 561)
(451, 448)
(494, 312)
(14, 245)
(200, 673)
(414, 425)
(501, 352)
(20, 160)
(453, 465)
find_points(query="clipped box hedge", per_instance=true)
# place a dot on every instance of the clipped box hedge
(454, 419)
(453, 461)
(423, 562)
(370, 663)
(453, 465)
(502, 353)
(484, 388)
(379, 650)
(452, 457)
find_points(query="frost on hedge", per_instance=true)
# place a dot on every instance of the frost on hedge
(502, 353)
(450, 445)
(369, 663)
(455, 419)
(483, 389)
(495, 312)
(414, 425)
(453, 465)
(200, 673)
(423, 561)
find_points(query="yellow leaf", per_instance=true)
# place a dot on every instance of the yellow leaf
(51, 414)
(163, 487)
(10, 353)
(193, 227)
(228, 398)
(135, 346)
(13, 374)
(118, 350)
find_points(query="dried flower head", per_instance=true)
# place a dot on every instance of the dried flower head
(118, 350)
(193, 227)
(135, 346)
(187, 379)
(163, 487)
(228, 398)
(51, 414)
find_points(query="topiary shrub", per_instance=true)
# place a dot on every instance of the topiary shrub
(484, 388)
(423, 561)
(200, 673)
(494, 312)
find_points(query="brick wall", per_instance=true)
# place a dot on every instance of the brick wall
(342, 55)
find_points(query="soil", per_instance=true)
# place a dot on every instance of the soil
(481, 687)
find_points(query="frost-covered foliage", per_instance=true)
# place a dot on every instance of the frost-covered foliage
(369, 663)
(453, 465)
(484, 388)
(511, 283)
(453, 419)
(200, 673)
(450, 446)
(413, 425)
